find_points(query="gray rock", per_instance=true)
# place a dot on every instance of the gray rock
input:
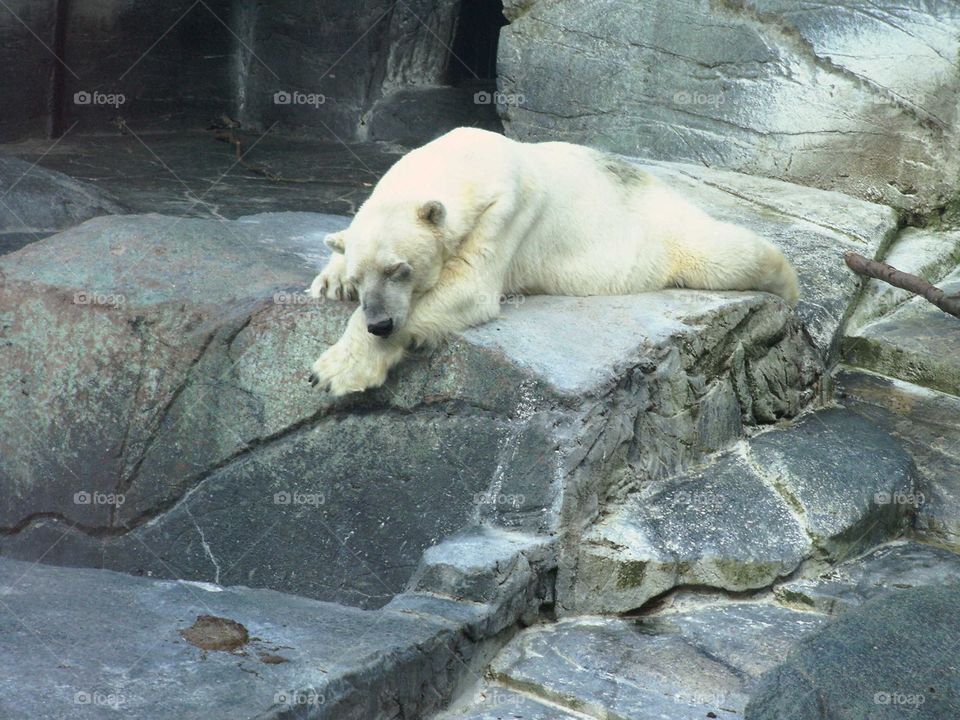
(888, 569)
(750, 637)
(606, 668)
(917, 342)
(894, 657)
(103, 644)
(771, 87)
(750, 517)
(843, 473)
(669, 665)
(36, 203)
(415, 116)
(499, 703)
(927, 423)
(28, 68)
(175, 350)
(721, 527)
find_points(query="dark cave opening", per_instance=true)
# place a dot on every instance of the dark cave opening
(474, 51)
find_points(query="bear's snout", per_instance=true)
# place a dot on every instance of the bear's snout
(381, 328)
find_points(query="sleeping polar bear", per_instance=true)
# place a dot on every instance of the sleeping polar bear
(472, 216)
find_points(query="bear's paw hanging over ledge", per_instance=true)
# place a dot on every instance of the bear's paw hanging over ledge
(473, 217)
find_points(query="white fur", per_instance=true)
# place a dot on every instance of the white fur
(548, 218)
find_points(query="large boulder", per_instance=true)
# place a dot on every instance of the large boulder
(159, 420)
(785, 89)
(36, 203)
(894, 657)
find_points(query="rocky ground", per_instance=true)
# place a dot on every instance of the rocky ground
(674, 505)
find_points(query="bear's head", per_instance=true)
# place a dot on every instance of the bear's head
(394, 254)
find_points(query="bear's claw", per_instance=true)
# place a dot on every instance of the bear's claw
(313, 379)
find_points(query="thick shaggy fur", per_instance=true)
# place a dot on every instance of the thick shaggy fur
(473, 216)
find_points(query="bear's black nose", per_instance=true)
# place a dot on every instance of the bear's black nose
(381, 328)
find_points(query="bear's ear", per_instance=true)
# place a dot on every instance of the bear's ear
(334, 241)
(432, 212)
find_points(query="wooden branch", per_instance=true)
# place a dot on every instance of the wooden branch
(917, 285)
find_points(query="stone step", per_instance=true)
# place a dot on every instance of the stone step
(680, 666)
(888, 569)
(821, 488)
(94, 644)
(927, 424)
(916, 342)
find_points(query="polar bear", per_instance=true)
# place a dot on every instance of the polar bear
(472, 216)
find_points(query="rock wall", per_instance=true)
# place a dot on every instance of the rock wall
(860, 97)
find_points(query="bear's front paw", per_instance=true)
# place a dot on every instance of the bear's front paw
(342, 372)
(332, 282)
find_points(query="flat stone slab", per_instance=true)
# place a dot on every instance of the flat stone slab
(917, 342)
(105, 645)
(496, 702)
(888, 569)
(894, 657)
(927, 423)
(679, 666)
(821, 488)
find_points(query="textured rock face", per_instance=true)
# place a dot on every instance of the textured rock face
(927, 423)
(824, 487)
(857, 96)
(916, 342)
(887, 570)
(174, 353)
(892, 658)
(35, 203)
(302, 658)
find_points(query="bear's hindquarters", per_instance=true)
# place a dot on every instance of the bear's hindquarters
(730, 257)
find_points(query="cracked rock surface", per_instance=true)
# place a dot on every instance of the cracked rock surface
(855, 96)
(172, 353)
